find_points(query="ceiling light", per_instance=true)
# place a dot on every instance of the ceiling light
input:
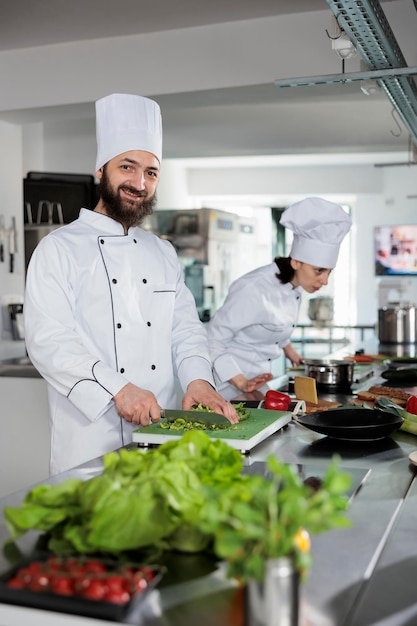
(343, 47)
(369, 87)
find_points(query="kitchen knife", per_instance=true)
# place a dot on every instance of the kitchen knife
(2, 232)
(11, 250)
(207, 418)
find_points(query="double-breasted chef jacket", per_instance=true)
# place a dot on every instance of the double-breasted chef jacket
(250, 329)
(103, 309)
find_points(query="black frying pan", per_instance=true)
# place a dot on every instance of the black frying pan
(353, 423)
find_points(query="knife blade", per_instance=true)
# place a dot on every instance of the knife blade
(207, 418)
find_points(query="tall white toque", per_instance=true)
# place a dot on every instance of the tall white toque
(319, 226)
(127, 122)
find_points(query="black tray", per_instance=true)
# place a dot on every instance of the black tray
(75, 605)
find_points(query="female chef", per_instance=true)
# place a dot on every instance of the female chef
(109, 322)
(261, 309)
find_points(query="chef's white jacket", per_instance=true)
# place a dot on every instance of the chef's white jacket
(103, 309)
(252, 326)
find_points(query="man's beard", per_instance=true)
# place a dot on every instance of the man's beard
(127, 212)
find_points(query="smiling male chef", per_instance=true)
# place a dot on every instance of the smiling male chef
(109, 321)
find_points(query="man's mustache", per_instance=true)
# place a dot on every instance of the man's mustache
(138, 192)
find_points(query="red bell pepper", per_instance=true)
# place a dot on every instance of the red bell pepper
(411, 406)
(276, 400)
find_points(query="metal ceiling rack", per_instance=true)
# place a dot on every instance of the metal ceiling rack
(367, 27)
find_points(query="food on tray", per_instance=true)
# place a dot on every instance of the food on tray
(393, 392)
(361, 358)
(370, 396)
(93, 579)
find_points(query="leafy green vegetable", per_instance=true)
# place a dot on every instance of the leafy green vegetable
(182, 424)
(140, 499)
(186, 495)
(240, 409)
(410, 420)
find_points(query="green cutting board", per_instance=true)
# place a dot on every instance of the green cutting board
(243, 436)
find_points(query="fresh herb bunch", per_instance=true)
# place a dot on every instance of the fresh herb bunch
(257, 517)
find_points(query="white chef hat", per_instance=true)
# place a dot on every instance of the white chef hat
(126, 122)
(319, 227)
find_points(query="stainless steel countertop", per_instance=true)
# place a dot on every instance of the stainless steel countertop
(18, 368)
(361, 576)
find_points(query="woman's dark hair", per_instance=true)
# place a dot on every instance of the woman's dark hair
(286, 271)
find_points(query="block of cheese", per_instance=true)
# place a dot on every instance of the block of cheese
(305, 388)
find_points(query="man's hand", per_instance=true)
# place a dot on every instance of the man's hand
(201, 392)
(247, 385)
(136, 405)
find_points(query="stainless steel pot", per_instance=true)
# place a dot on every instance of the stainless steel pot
(330, 372)
(320, 309)
(397, 323)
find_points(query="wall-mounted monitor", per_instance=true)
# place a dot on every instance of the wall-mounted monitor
(396, 250)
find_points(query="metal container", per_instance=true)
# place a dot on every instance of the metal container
(320, 310)
(275, 600)
(397, 323)
(330, 372)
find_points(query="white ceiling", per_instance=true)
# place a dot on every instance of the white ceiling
(326, 119)
(39, 22)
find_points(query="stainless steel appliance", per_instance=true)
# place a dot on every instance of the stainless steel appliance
(206, 241)
(397, 323)
(320, 310)
(35, 231)
(52, 199)
(215, 247)
(330, 372)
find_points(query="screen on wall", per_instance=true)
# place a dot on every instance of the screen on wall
(396, 250)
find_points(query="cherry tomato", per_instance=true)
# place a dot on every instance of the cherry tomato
(115, 582)
(117, 596)
(81, 583)
(95, 566)
(148, 572)
(40, 582)
(62, 585)
(24, 574)
(16, 583)
(139, 583)
(96, 590)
